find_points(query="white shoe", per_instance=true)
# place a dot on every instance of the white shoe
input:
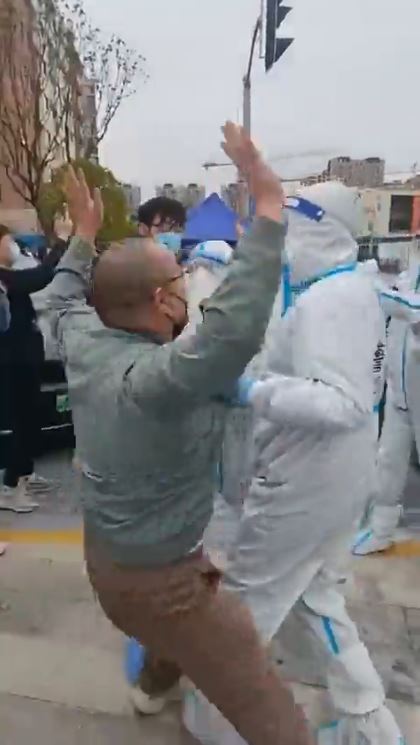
(3, 547)
(149, 705)
(37, 484)
(17, 499)
(377, 728)
(379, 533)
(146, 704)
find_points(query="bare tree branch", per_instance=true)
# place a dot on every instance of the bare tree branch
(36, 94)
(47, 57)
(110, 65)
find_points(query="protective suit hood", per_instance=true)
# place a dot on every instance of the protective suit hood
(207, 267)
(323, 220)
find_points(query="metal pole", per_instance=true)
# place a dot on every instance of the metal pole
(262, 28)
(243, 191)
(247, 106)
(243, 194)
(247, 78)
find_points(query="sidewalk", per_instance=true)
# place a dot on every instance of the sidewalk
(61, 661)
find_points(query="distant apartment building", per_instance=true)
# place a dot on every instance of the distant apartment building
(232, 195)
(366, 173)
(14, 209)
(189, 195)
(87, 139)
(393, 210)
(132, 195)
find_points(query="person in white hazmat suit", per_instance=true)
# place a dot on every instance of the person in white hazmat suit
(371, 269)
(402, 415)
(207, 267)
(314, 453)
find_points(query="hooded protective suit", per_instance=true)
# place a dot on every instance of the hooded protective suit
(314, 458)
(402, 414)
(207, 267)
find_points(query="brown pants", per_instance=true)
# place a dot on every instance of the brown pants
(181, 616)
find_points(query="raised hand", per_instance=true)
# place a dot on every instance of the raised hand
(263, 184)
(63, 226)
(85, 210)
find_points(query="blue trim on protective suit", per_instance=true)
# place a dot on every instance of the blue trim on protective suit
(134, 659)
(331, 725)
(305, 207)
(363, 538)
(306, 284)
(404, 369)
(289, 290)
(401, 301)
(244, 387)
(327, 624)
(201, 252)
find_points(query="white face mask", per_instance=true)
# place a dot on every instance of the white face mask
(15, 252)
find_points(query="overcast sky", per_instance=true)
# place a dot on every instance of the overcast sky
(349, 85)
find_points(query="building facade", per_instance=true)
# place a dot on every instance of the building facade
(87, 132)
(366, 173)
(232, 195)
(390, 211)
(132, 195)
(14, 209)
(45, 125)
(189, 195)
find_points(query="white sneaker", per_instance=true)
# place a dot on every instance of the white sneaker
(3, 547)
(379, 533)
(377, 728)
(17, 499)
(144, 703)
(37, 484)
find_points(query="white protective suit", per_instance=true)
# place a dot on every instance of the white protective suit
(207, 267)
(314, 463)
(402, 415)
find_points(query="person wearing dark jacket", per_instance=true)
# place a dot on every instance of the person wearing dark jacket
(21, 361)
(4, 309)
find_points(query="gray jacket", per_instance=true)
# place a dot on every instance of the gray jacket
(147, 416)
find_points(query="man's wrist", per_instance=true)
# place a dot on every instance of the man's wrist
(86, 237)
(270, 208)
(82, 247)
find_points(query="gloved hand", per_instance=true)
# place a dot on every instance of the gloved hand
(243, 391)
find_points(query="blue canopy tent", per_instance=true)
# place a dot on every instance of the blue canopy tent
(212, 220)
(34, 242)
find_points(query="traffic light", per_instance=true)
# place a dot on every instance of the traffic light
(275, 48)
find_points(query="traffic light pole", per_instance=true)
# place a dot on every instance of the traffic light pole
(247, 116)
(273, 12)
(247, 79)
(247, 106)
